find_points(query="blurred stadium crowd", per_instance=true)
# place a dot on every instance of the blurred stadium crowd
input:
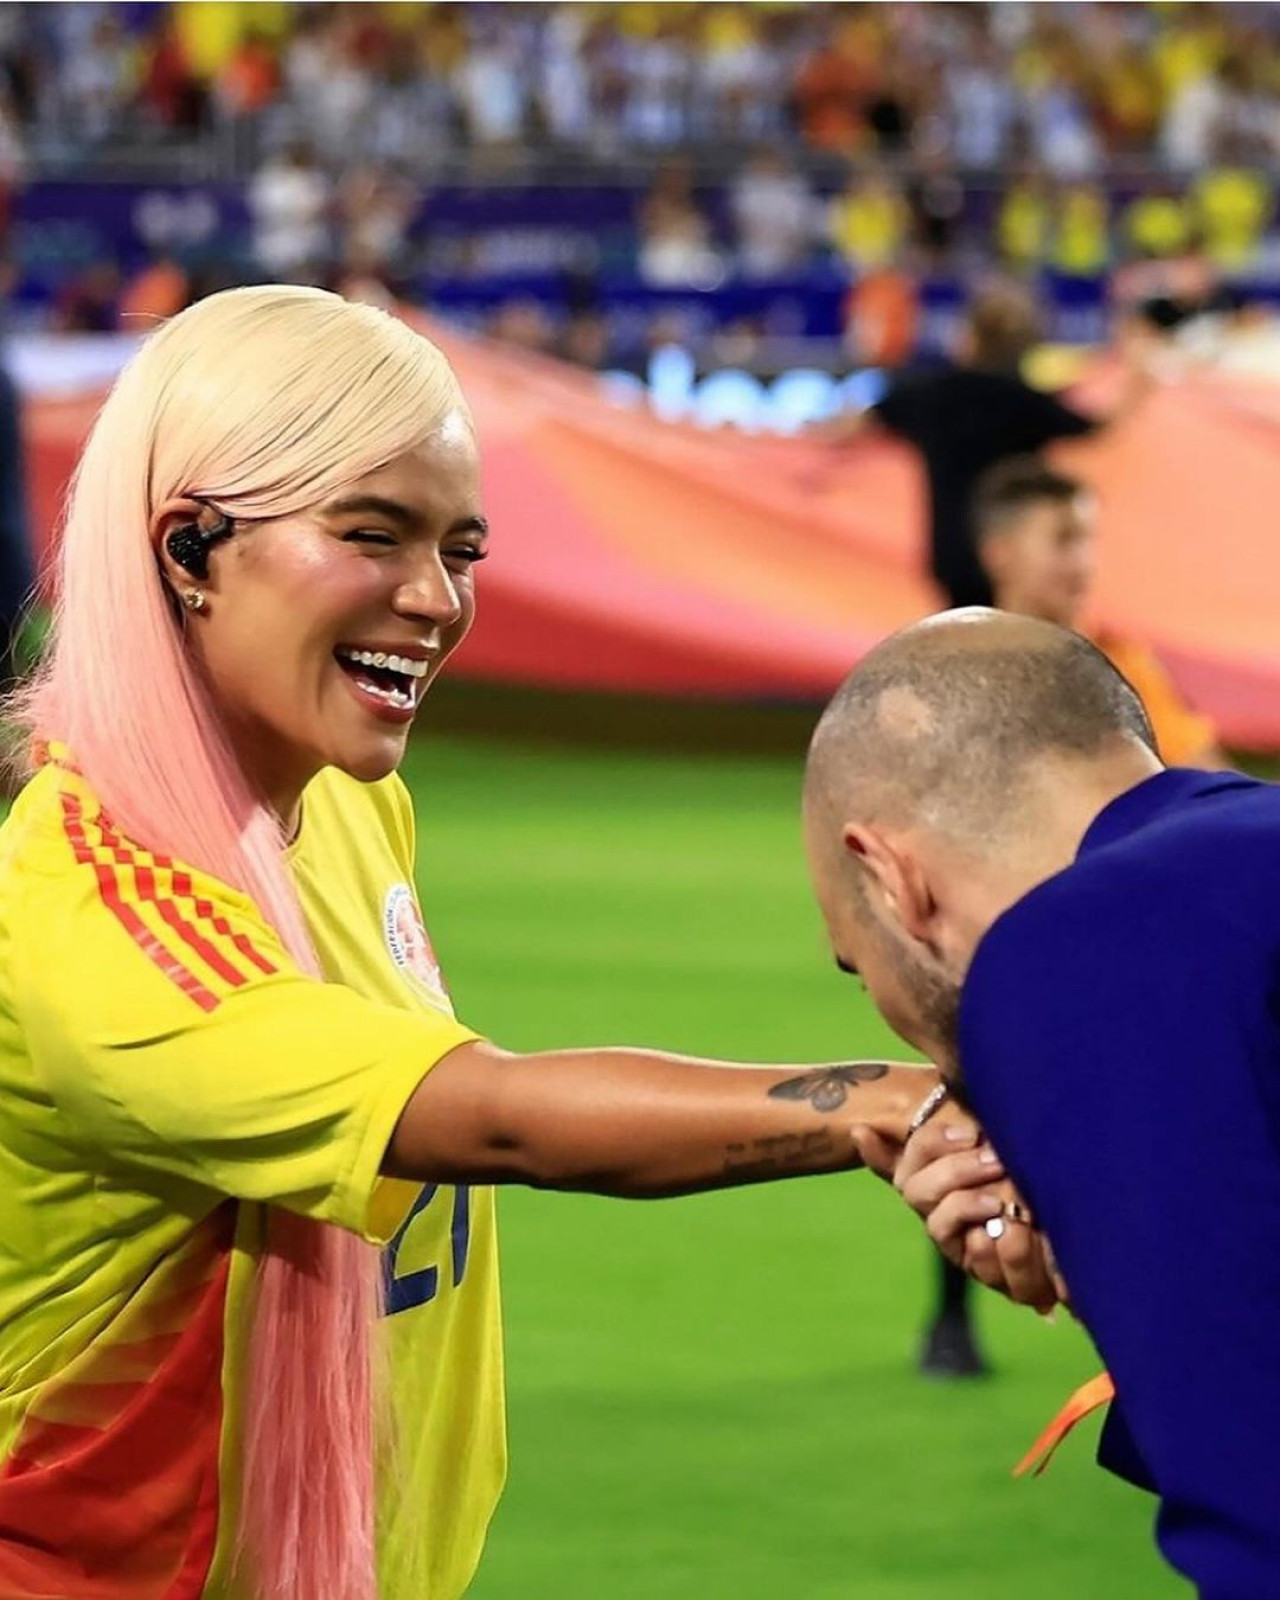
(1072, 87)
(744, 214)
(516, 163)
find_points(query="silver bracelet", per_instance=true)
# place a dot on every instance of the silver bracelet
(927, 1107)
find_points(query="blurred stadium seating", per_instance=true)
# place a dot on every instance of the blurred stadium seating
(592, 178)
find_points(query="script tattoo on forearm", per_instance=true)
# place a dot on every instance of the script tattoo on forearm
(776, 1154)
(827, 1088)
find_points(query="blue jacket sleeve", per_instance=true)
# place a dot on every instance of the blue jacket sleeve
(1114, 1047)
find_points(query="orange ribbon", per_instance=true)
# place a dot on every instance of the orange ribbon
(1088, 1397)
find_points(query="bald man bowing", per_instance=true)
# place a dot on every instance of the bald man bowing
(1090, 944)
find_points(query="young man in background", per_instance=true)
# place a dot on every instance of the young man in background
(1037, 542)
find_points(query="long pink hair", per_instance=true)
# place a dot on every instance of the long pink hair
(262, 401)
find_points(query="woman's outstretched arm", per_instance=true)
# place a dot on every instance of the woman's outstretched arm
(644, 1124)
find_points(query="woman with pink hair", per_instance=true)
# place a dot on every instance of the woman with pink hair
(230, 1069)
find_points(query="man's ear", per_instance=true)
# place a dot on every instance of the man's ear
(899, 875)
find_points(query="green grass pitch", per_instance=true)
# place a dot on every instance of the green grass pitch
(713, 1398)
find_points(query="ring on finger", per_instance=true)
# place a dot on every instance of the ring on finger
(995, 1228)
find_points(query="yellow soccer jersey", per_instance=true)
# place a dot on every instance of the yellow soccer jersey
(166, 1074)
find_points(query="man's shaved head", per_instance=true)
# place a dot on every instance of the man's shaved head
(941, 724)
(958, 766)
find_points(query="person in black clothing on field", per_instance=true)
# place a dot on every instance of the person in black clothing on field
(964, 419)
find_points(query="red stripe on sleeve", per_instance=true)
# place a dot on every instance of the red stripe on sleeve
(185, 890)
(243, 943)
(109, 890)
(215, 959)
(212, 957)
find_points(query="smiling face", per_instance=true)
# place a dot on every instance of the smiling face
(323, 630)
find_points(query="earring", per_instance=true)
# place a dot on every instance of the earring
(194, 599)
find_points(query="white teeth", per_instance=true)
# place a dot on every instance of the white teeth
(393, 697)
(407, 665)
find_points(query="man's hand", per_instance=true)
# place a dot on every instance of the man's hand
(952, 1178)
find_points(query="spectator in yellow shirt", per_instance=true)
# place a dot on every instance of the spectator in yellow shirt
(1081, 237)
(1158, 224)
(869, 221)
(1022, 222)
(1233, 206)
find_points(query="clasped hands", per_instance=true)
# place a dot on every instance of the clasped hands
(951, 1177)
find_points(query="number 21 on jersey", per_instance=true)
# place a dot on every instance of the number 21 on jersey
(405, 1287)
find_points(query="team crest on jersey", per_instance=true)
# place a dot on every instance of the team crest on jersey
(408, 942)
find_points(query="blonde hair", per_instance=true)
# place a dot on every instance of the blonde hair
(1003, 324)
(262, 401)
